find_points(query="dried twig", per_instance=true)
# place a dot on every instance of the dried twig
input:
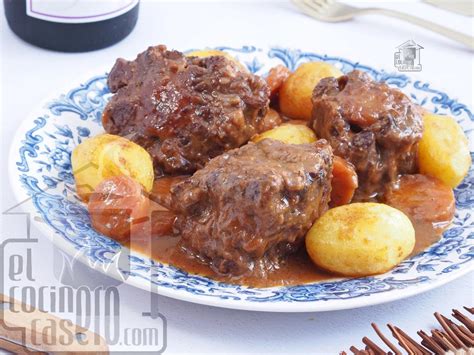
(454, 337)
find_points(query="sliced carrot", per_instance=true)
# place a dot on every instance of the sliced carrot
(424, 199)
(344, 182)
(120, 209)
(117, 206)
(276, 77)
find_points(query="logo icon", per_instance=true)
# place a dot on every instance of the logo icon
(407, 57)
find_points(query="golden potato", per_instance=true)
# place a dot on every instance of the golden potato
(444, 151)
(214, 52)
(289, 133)
(106, 155)
(360, 239)
(296, 92)
(84, 164)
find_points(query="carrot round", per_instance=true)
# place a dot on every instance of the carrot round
(276, 77)
(424, 199)
(119, 208)
(344, 182)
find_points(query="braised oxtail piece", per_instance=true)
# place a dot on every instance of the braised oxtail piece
(251, 207)
(373, 126)
(184, 110)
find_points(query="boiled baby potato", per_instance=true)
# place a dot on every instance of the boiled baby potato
(84, 160)
(214, 52)
(105, 156)
(289, 133)
(295, 94)
(360, 239)
(443, 150)
(208, 53)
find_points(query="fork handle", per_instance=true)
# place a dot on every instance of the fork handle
(446, 32)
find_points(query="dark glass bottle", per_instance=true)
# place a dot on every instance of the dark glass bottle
(71, 25)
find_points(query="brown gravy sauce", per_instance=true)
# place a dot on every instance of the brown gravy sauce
(298, 268)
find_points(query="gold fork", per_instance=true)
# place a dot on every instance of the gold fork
(332, 11)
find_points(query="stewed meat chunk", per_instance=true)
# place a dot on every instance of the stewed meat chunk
(252, 206)
(373, 126)
(184, 110)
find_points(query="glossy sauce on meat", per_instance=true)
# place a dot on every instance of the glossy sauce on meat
(371, 125)
(184, 110)
(251, 207)
(297, 268)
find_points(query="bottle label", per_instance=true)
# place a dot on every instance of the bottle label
(77, 11)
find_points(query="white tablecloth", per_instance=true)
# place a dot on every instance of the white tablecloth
(30, 74)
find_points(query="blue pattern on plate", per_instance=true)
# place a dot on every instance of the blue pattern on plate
(44, 169)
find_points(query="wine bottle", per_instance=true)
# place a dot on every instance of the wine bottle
(72, 25)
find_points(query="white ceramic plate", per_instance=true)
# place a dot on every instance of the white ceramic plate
(40, 173)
